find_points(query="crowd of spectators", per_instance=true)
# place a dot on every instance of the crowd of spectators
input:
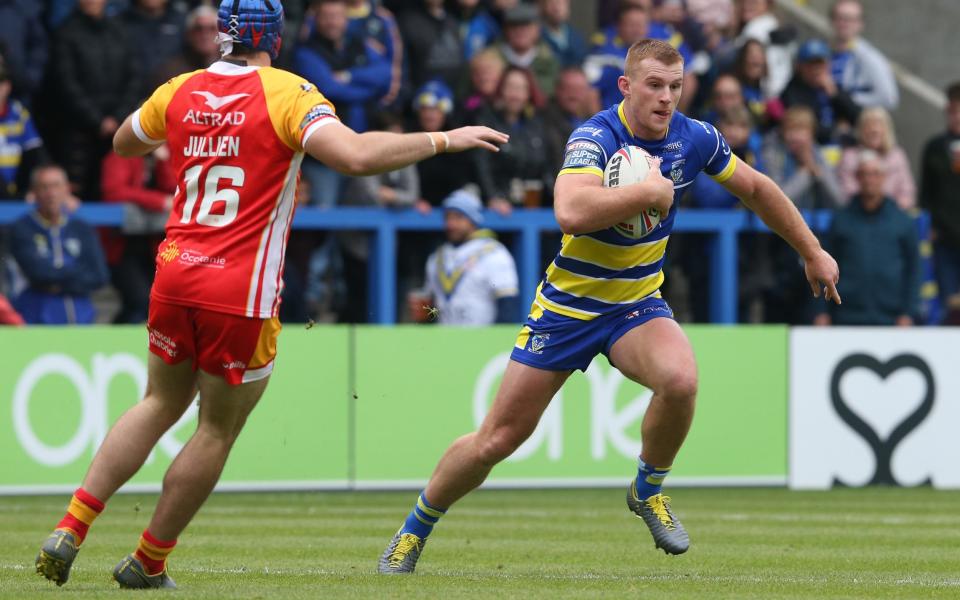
(811, 113)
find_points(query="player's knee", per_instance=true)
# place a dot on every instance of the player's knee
(165, 411)
(680, 385)
(500, 444)
(221, 433)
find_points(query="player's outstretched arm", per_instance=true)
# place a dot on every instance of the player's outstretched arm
(582, 204)
(352, 153)
(761, 195)
(126, 142)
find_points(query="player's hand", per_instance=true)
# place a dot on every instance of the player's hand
(660, 189)
(466, 138)
(823, 274)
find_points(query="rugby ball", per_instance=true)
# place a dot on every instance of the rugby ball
(629, 165)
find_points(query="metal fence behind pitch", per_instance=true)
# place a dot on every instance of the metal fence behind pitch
(527, 226)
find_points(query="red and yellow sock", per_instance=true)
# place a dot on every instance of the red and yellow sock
(152, 553)
(84, 508)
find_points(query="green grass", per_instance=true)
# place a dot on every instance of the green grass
(747, 543)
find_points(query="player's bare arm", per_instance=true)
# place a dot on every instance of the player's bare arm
(126, 143)
(373, 152)
(761, 195)
(582, 204)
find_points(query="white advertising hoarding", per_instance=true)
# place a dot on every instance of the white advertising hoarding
(874, 406)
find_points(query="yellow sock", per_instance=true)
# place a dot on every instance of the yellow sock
(152, 553)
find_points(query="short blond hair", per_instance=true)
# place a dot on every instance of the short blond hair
(647, 48)
(800, 116)
(881, 114)
(490, 56)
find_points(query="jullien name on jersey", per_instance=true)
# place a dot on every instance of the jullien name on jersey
(219, 145)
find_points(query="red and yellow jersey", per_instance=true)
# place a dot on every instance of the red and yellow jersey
(236, 135)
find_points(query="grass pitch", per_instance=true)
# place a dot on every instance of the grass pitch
(746, 543)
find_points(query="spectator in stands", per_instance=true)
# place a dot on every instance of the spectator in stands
(607, 12)
(59, 256)
(199, 49)
(727, 95)
(95, 83)
(444, 173)
(393, 189)
(522, 48)
(568, 44)
(377, 26)
(348, 69)
(486, 70)
(736, 126)
(350, 73)
(432, 40)
(519, 173)
(750, 68)
(21, 148)
(875, 132)
(759, 23)
(59, 11)
(24, 42)
(876, 245)
(716, 16)
(155, 29)
(478, 28)
(857, 66)
(604, 64)
(472, 278)
(147, 182)
(794, 160)
(439, 176)
(673, 16)
(9, 316)
(939, 194)
(813, 86)
(573, 102)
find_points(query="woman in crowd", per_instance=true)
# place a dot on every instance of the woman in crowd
(519, 172)
(750, 69)
(875, 132)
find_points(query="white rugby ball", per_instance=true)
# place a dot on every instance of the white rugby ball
(629, 165)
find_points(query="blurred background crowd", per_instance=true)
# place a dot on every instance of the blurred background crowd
(812, 113)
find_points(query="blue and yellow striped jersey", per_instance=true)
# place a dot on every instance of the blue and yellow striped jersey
(600, 272)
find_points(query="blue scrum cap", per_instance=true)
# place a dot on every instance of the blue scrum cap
(254, 24)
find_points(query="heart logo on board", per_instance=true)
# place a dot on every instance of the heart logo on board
(882, 448)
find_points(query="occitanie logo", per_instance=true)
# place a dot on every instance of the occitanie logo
(170, 252)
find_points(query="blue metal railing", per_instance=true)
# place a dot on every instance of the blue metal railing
(723, 225)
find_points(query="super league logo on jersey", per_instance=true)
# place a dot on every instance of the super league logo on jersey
(882, 446)
(317, 112)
